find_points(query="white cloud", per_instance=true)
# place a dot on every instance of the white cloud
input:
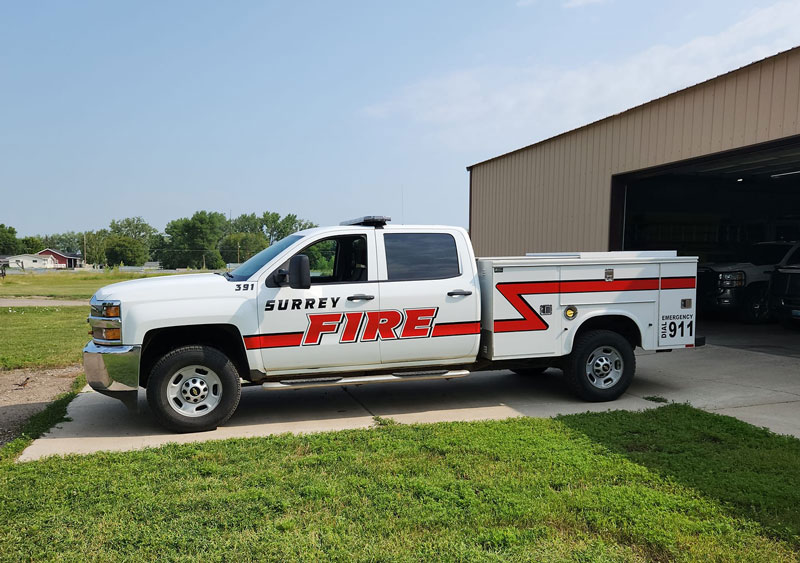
(491, 109)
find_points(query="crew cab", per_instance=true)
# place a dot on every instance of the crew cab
(741, 286)
(369, 302)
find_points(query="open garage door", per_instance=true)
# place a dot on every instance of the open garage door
(738, 211)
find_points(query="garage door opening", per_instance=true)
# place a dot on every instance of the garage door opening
(741, 207)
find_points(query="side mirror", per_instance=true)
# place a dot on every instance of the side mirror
(281, 277)
(299, 272)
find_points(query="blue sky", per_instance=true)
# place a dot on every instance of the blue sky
(325, 109)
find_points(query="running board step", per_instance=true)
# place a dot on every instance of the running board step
(361, 379)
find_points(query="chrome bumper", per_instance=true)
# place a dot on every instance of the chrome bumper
(113, 371)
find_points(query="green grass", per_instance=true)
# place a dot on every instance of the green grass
(42, 336)
(62, 285)
(753, 472)
(521, 489)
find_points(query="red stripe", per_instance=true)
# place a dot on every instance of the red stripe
(456, 329)
(273, 340)
(678, 283)
(592, 286)
(530, 320)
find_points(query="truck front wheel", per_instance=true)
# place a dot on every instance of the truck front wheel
(193, 389)
(601, 365)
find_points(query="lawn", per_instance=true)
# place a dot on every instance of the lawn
(520, 489)
(62, 285)
(42, 336)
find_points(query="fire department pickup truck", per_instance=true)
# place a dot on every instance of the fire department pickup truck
(367, 302)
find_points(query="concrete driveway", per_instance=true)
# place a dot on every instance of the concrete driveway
(763, 389)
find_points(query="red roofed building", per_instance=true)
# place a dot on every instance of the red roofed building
(63, 260)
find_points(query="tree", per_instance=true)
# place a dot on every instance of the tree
(247, 224)
(276, 228)
(137, 229)
(193, 242)
(32, 244)
(8, 240)
(69, 242)
(238, 247)
(132, 227)
(125, 250)
(96, 247)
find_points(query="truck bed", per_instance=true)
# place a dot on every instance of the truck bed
(525, 298)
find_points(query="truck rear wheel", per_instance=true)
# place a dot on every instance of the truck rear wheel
(601, 366)
(193, 389)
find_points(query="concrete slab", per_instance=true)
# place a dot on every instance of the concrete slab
(781, 418)
(753, 386)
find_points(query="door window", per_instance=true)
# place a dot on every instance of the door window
(421, 256)
(338, 260)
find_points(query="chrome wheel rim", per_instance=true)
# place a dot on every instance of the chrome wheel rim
(604, 367)
(194, 391)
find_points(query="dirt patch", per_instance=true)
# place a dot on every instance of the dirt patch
(24, 392)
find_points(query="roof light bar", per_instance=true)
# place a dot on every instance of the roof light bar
(368, 221)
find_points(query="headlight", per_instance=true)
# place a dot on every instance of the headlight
(105, 322)
(110, 311)
(732, 279)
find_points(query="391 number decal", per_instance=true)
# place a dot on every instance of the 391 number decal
(245, 286)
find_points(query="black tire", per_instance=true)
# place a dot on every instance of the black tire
(224, 390)
(529, 372)
(755, 309)
(586, 345)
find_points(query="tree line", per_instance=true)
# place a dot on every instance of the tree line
(207, 239)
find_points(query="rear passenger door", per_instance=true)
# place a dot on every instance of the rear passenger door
(428, 296)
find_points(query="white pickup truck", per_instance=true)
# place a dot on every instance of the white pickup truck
(367, 302)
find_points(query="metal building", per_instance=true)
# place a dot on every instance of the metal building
(704, 170)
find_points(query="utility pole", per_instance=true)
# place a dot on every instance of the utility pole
(84, 247)
(204, 260)
(238, 245)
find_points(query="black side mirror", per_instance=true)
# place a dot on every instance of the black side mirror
(299, 272)
(281, 277)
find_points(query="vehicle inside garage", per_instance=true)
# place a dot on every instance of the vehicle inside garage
(739, 212)
(715, 208)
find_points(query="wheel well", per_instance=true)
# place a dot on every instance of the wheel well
(225, 338)
(617, 323)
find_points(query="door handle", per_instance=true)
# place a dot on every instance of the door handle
(459, 292)
(361, 297)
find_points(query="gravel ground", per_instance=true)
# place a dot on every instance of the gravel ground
(24, 392)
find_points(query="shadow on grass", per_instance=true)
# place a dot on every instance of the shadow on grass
(753, 472)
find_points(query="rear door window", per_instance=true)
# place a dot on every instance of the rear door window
(421, 256)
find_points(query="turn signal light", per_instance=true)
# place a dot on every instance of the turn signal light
(111, 311)
(107, 333)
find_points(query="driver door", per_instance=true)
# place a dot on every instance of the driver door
(301, 330)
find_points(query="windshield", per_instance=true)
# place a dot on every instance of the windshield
(766, 254)
(255, 263)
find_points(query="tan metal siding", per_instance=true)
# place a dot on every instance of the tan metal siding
(556, 195)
